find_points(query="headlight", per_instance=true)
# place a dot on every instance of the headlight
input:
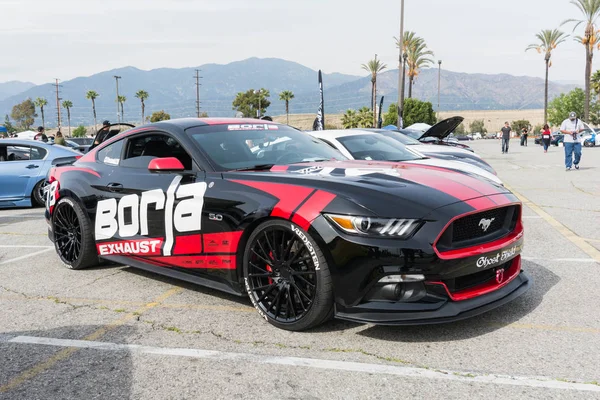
(369, 226)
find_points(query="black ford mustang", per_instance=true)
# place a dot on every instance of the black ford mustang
(260, 209)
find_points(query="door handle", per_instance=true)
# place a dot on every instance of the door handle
(32, 166)
(114, 187)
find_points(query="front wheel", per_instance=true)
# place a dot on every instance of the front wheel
(287, 277)
(587, 144)
(73, 237)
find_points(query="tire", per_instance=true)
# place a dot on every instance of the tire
(283, 264)
(38, 195)
(73, 235)
(587, 144)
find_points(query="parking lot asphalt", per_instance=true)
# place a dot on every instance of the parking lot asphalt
(117, 332)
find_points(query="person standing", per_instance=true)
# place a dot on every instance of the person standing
(505, 137)
(546, 137)
(524, 134)
(570, 128)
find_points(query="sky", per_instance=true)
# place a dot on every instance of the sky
(42, 40)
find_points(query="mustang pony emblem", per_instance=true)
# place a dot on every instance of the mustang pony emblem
(499, 276)
(485, 223)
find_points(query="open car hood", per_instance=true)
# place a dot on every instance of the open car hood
(443, 128)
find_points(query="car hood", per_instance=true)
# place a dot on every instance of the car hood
(443, 128)
(406, 189)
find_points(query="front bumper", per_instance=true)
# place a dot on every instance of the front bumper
(446, 310)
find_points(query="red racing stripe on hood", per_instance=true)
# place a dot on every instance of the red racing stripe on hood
(312, 208)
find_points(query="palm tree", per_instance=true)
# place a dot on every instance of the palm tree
(286, 96)
(67, 104)
(41, 102)
(595, 83)
(121, 100)
(142, 95)
(374, 67)
(591, 11)
(350, 119)
(93, 95)
(410, 41)
(418, 57)
(548, 40)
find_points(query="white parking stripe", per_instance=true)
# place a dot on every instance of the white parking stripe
(578, 260)
(18, 246)
(381, 369)
(531, 217)
(25, 256)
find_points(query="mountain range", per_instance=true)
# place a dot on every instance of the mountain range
(174, 90)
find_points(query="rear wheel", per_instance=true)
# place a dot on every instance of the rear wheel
(287, 277)
(73, 238)
(38, 194)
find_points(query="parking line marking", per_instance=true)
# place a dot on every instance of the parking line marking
(347, 366)
(65, 353)
(26, 256)
(531, 217)
(579, 260)
(18, 246)
(563, 230)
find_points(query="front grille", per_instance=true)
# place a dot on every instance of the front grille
(471, 230)
(472, 226)
(473, 280)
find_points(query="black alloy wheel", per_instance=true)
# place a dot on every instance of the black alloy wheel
(287, 277)
(67, 233)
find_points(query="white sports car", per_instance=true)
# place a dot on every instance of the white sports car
(359, 144)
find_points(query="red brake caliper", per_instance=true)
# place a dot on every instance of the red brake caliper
(270, 269)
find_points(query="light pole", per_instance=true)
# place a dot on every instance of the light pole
(404, 60)
(117, 81)
(400, 69)
(259, 111)
(439, 84)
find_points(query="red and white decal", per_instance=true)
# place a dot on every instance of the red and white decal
(142, 247)
(252, 127)
(185, 217)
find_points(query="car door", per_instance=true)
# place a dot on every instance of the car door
(151, 215)
(18, 171)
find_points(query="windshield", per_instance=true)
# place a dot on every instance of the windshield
(236, 146)
(402, 138)
(377, 147)
(413, 134)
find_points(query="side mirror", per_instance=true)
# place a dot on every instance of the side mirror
(165, 164)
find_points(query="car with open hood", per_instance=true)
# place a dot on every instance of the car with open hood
(259, 209)
(439, 134)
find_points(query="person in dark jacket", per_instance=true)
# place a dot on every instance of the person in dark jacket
(505, 137)
(524, 134)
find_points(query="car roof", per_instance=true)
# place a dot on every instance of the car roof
(338, 133)
(25, 142)
(185, 123)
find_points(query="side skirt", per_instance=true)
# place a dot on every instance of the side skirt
(173, 273)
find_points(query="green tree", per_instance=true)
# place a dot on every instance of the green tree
(80, 131)
(8, 125)
(67, 104)
(93, 95)
(548, 39)
(418, 57)
(251, 101)
(595, 83)
(122, 99)
(142, 95)
(590, 39)
(24, 114)
(374, 67)
(286, 96)
(561, 106)
(365, 118)
(159, 116)
(460, 129)
(518, 125)
(203, 114)
(477, 125)
(416, 111)
(41, 102)
(391, 117)
(350, 119)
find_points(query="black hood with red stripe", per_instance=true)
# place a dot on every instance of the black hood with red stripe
(379, 188)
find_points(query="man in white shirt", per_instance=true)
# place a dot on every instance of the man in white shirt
(571, 128)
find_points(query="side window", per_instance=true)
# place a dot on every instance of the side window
(111, 154)
(17, 153)
(37, 153)
(141, 149)
(328, 142)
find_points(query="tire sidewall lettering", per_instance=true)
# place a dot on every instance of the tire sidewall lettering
(309, 246)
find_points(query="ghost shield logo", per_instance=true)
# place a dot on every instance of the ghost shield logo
(185, 217)
(485, 223)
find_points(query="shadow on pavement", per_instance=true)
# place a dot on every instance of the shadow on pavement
(83, 374)
(543, 281)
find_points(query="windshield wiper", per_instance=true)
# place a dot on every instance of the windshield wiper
(259, 167)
